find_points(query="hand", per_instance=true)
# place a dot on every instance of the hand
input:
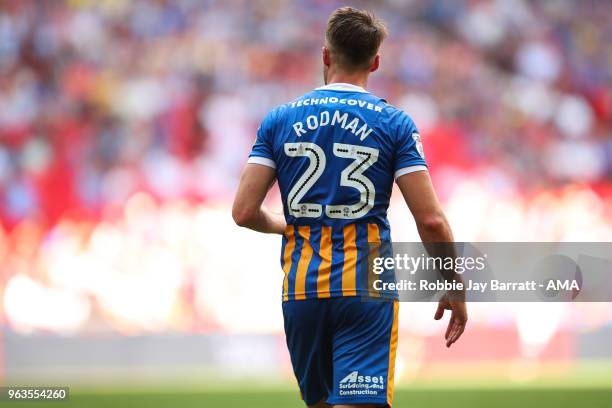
(458, 319)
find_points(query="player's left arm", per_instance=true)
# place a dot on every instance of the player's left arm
(248, 211)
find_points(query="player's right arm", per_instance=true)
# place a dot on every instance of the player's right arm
(419, 194)
(413, 179)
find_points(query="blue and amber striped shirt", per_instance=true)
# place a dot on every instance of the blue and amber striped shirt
(336, 151)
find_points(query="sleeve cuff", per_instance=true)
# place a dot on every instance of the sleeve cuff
(410, 169)
(262, 160)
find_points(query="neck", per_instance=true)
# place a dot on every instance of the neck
(359, 78)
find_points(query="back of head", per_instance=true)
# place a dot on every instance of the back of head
(353, 37)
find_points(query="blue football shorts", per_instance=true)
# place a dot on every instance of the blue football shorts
(343, 349)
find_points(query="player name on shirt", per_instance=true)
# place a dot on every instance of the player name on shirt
(338, 118)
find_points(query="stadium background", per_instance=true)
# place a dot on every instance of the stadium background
(123, 129)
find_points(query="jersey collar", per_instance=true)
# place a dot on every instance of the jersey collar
(342, 86)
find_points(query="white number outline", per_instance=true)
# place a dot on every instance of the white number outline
(317, 162)
(352, 176)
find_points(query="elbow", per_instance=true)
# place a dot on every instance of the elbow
(243, 217)
(434, 226)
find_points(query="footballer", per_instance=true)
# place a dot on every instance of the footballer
(335, 153)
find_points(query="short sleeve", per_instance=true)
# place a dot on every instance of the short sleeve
(262, 151)
(409, 155)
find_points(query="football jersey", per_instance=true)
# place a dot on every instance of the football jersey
(336, 151)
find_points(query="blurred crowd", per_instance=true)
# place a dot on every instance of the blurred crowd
(101, 99)
(114, 107)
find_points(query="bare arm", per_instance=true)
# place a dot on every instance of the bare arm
(248, 210)
(433, 228)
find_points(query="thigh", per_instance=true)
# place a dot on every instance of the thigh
(309, 340)
(364, 346)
